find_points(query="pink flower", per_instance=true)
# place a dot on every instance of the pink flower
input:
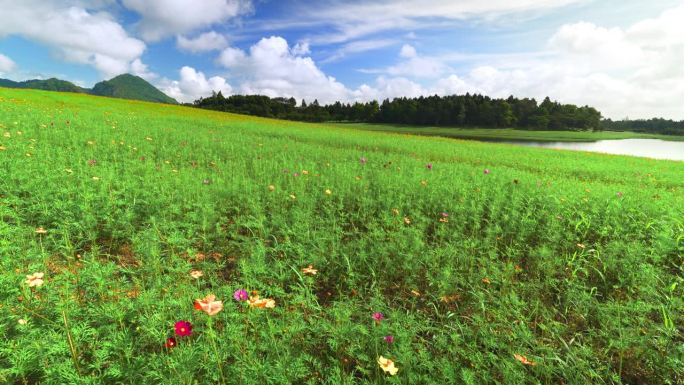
(389, 339)
(183, 328)
(377, 316)
(428, 166)
(241, 295)
(486, 171)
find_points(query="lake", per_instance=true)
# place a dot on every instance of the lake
(648, 148)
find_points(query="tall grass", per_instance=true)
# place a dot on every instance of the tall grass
(572, 261)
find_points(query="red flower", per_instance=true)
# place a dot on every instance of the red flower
(183, 328)
(170, 343)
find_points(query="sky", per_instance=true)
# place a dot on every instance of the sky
(624, 57)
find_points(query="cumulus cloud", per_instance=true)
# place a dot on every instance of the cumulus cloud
(413, 65)
(74, 34)
(206, 42)
(272, 68)
(193, 85)
(163, 18)
(6, 64)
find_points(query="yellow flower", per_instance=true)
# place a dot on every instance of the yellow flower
(35, 279)
(407, 220)
(305, 172)
(293, 197)
(3, 148)
(261, 303)
(309, 270)
(41, 230)
(196, 274)
(22, 321)
(328, 192)
(387, 365)
(271, 187)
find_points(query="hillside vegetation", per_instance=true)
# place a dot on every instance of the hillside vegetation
(332, 251)
(124, 86)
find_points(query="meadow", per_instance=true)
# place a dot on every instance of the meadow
(335, 256)
(495, 134)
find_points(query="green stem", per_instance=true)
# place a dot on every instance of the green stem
(212, 338)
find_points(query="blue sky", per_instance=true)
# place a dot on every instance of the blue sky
(623, 57)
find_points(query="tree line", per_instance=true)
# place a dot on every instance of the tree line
(469, 110)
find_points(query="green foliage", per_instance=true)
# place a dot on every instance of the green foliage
(131, 87)
(572, 260)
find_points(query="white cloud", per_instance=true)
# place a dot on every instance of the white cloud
(359, 46)
(413, 65)
(6, 64)
(206, 42)
(163, 18)
(357, 18)
(73, 33)
(272, 68)
(193, 85)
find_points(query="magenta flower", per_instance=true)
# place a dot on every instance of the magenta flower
(363, 160)
(183, 328)
(389, 339)
(377, 316)
(241, 295)
(429, 166)
(486, 171)
(445, 215)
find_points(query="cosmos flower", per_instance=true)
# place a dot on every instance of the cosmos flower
(183, 328)
(428, 166)
(22, 321)
(328, 192)
(271, 187)
(524, 360)
(241, 295)
(196, 274)
(92, 162)
(389, 339)
(41, 230)
(619, 194)
(378, 317)
(170, 343)
(261, 303)
(309, 270)
(35, 279)
(363, 160)
(387, 365)
(209, 305)
(486, 171)
(407, 220)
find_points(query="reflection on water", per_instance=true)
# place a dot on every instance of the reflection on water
(649, 148)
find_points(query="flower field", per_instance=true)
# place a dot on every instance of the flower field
(147, 243)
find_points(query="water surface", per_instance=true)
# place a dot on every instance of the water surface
(648, 148)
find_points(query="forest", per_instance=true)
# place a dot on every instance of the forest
(469, 110)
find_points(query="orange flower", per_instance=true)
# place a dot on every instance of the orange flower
(486, 280)
(196, 274)
(261, 303)
(35, 279)
(209, 304)
(387, 365)
(309, 270)
(524, 360)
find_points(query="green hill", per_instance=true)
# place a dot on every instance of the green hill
(123, 86)
(52, 84)
(131, 87)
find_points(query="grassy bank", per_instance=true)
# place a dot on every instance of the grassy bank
(507, 134)
(485, 263)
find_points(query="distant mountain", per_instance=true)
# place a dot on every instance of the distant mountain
(123, 86)
(46, 85)
(131, 87)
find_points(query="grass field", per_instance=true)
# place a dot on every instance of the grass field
(462, 262)
(507, 133)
